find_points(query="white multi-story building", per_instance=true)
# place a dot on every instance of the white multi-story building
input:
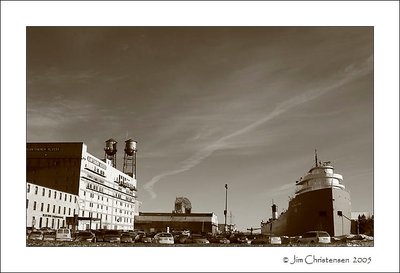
(48, 207)
(105, 196)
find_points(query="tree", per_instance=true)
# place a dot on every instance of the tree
(366, 225)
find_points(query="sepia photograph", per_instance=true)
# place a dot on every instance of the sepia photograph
(201, 145)
(200, 135)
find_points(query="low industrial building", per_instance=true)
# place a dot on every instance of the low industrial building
(180, 219)
(69, 187)
(195, 222)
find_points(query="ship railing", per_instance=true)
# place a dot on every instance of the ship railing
(318, 187)
(320, 175)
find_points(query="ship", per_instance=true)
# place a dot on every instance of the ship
(321, 202)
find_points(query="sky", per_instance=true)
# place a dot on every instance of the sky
(209, 106)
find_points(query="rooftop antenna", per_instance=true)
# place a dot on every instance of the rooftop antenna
(316, 158)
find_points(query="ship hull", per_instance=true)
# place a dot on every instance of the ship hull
(323, 209)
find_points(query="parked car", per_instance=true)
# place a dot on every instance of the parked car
(198, 239)
(219, 240)
(285, 240)
(176, 233)
(274, 240)
(238, 239)
(49, 235)
(147, 239)
(64, 234)
(262, 239)
(85, 236)
(258, 239)
(139, 236)
(312, 237)
(36, 235)
(132, 233)
(28, 231)
(99, 234)
(112, 236)
(142, 237)
(126, 237)
(164, 238)
(182, 239)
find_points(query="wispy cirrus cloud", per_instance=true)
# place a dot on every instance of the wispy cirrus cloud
(52, 75)
(349, 74)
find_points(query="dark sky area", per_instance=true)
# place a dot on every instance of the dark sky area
(209, 106)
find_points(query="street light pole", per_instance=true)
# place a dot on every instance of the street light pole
(226, 204)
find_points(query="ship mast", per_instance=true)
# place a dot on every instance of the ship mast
(316, 158)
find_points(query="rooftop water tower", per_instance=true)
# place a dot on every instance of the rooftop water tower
(111, 151)
(130, 158)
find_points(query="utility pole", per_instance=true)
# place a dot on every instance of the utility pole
(226, 204)
(252, 229)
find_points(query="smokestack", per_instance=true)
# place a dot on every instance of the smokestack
(274, 212)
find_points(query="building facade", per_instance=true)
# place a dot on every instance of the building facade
(195, 222)
(48, 207)
(105, 196)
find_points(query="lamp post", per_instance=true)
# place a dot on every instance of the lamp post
(226, 204)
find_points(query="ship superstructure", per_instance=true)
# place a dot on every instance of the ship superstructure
(321, 202)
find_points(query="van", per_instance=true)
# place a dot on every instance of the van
(64, 234)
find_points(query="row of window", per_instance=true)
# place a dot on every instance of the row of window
(53, 225)
(95, 187)
(58, 209)
(123, 219)
(124, 211)
(49, 191)
(99, 197)
(104, 217)
(48, 208)
(64, 162)
(61, 223)
(99, 206)
(95, 169)
(99, 188)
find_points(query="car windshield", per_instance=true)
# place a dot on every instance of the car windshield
(323, 234)
(165, 235)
